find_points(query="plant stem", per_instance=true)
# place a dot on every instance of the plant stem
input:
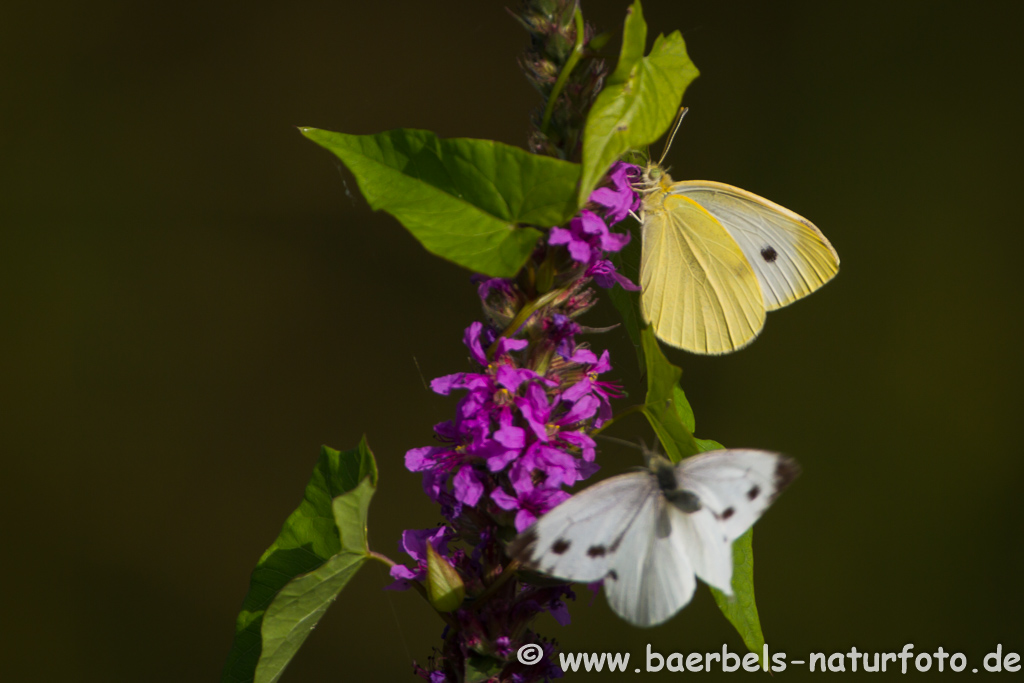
(524, 314)
(563, 77)
(382, 558)
(508, 573)
(638, 408)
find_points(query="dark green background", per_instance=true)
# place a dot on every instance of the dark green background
(193, 299)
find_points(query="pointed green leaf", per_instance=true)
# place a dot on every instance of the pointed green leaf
(463, 199)
(684, 410)
(741, 609)
(666, 405)
(319, 549)
(639, 100)
(709, 445)
(634, 40)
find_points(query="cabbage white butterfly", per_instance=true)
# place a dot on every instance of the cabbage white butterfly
(716, 258)
(647, 533)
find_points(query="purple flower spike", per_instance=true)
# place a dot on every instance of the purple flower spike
(521, 434)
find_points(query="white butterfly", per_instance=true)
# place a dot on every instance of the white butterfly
(648, 532)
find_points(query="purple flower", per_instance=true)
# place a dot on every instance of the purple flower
(528, 505)
(503, 646)
(605, 275)
(545, 466)
(619, 199)
(605, 391)
(587, 237)
(544, 420)
(414, 543)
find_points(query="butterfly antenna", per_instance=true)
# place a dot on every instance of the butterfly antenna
(621, 442)
(675, 129)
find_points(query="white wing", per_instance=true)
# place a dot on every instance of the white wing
(735, 487)
(584, 537)
(789, 255)
(652, 578)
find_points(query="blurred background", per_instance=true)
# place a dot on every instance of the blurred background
(194, 297)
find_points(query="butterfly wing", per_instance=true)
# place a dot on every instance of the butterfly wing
(652, 578)
(583, 538)
(735, 487)
(789, 255)
(700, 292)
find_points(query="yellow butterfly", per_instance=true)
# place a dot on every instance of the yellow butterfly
(716, 258)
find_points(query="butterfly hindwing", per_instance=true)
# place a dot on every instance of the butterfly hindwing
(700, 293)
(648, 589)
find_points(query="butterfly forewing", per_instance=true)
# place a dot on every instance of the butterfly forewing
(581, 539)
(789, 255)
(736, 485)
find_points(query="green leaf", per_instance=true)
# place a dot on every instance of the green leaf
(639, 100)
(684, 410)
(741, 610)
(319, 549)
(709, 445)
(664, 396)
(634, 40)
(462, 199)
(480, 668)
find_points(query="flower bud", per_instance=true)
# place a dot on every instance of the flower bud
(444, 585)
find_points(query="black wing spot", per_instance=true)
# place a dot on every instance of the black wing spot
(727, 513)
(560, 546)
(612, 575)
(597, 551)
(769, 254)
(754, 492)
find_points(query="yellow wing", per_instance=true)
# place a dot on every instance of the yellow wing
(700, 292)
(789, 255)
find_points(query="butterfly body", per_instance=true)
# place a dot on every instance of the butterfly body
(716, 258)
(646, 534)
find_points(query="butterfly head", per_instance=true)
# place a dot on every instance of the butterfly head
(654, 179)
